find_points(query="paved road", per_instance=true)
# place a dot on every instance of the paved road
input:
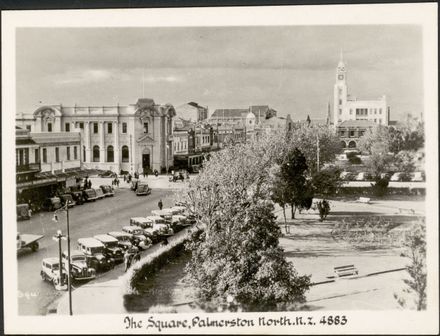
(86, 220)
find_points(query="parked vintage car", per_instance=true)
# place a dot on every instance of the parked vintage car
(143, 189)
(161, 225)
(400, 177)
(418, 177)
(90, 195)
(50, 271)
(146, 225)
(94, 250)
(179, 222)
(80, 270)
(166, 214)
(77, 197)
(363, 176)
(23, 211)
(386, 176)
(347, 176)
(51, 204)
(183, 210)
(67, 199)
(28, 241)
(138, 237)
(124, 239)
(107, 190)
(99, 193)
(173, 217)
(111, 246)
(107, 173)
(143, 222)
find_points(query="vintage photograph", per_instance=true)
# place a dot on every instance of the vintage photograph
(212, 174)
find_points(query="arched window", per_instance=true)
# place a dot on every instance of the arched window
(352, 144)
(343, 144)
(95, 153)
(125, 154)
(110, 156)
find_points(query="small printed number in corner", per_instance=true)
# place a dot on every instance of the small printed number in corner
(333, 320)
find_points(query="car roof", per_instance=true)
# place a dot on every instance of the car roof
(91, 242)
(131, 227)
(118, 233)
(73, 253)
(105, 238)
(155, 217)
(52, 260)
(140, 219)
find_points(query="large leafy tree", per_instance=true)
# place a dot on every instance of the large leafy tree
(326, 183)
(308, 138)
(237, 253)
(293, 178)
(375, 137)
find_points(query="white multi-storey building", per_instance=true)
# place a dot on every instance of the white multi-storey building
(346, 107)
(133, 138)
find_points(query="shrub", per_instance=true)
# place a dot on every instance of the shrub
(380, 188)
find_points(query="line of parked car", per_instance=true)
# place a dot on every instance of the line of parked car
(391, 176)
(71, 198)
(102, 252)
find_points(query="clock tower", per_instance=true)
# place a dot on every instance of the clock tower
(340, 93)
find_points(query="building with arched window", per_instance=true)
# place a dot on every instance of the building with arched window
(130, 138)
(110, 154)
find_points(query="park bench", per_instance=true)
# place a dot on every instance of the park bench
(365, 200)
(403, 210)
(346, 270)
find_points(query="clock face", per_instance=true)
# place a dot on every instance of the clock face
(340, 77)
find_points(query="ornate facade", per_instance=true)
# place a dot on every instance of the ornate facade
(130, 138)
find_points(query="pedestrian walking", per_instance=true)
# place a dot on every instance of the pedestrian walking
(156, 173)
(117, 182)
(90, 184)
(160, 204)
(125, 178)
(127, 259)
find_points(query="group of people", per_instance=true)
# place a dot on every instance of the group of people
(115, 182)
(87, 183)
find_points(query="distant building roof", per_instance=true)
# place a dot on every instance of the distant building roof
(145, 102)
(229, 113)
(195, 105)
(357, 123)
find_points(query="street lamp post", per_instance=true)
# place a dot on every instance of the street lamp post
(58, 237)
(69, 284)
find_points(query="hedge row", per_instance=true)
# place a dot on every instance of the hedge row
(368, 191)
(148, 266)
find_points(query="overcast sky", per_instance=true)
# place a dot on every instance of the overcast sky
(291, 69)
